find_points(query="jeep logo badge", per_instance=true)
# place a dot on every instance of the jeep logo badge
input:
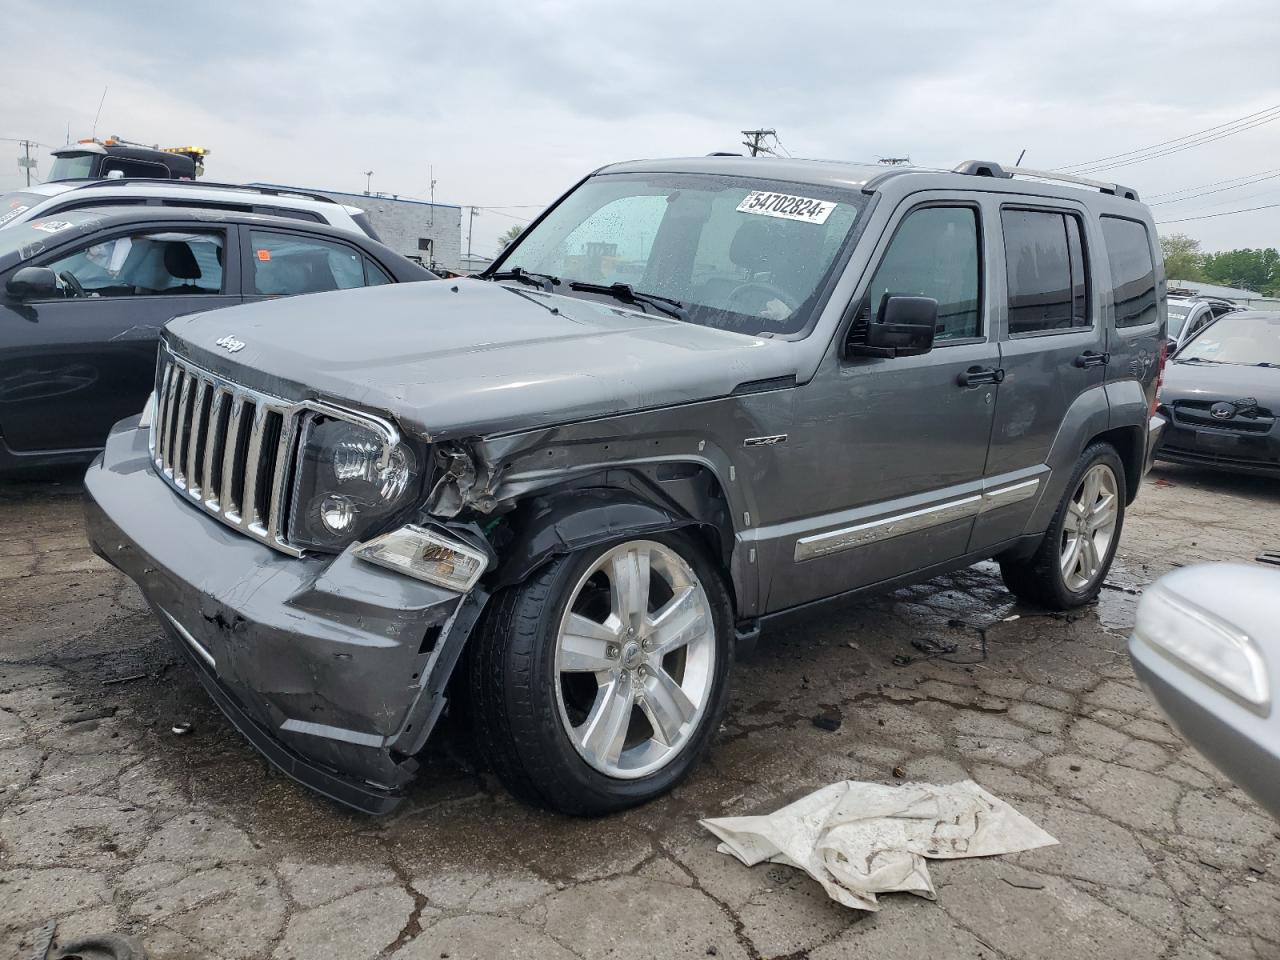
(229, 343)
(1222, 411)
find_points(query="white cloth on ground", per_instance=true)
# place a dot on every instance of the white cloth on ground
(861, 839)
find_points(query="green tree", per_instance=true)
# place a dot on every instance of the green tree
(509, 237)
(1182, 257)
(1249, 269)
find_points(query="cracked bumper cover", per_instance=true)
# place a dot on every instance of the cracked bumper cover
(333, 668)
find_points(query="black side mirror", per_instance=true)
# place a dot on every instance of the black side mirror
(1171, 347)
(903, 327)
(33, 283)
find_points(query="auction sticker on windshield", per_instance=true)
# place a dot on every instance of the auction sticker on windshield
(14, 211)
(787, 207)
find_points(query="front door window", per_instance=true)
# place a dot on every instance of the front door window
(171, 263)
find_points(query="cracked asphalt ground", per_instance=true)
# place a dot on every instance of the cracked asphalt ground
(111, 822)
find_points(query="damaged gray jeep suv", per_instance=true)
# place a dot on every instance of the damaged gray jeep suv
(694, 396)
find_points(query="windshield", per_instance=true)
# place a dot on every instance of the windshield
(737, 253)
(74, 167)
(14, 205)
(1237, 338)
(22, 241)
(1177, 319)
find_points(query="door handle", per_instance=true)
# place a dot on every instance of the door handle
(1091, 358)
(979, 375)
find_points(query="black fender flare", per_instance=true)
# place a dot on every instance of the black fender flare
(558, 524)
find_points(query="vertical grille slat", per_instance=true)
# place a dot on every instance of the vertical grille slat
(230, 450)
(211, 478)
(196, 436)
(252, 460)
(230, 499)
(280, 478)
(166, 424)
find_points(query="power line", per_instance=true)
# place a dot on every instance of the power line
(1199, 186)
(511, 216)
(1205, 193)
(1186, 146)
(1165, 143)
(1225, 213)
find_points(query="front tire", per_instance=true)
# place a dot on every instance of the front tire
(598, 683)
(1069, 567)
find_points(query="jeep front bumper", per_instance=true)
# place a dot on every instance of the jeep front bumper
(333, 668)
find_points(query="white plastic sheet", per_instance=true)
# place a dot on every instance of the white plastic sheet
(862, 839)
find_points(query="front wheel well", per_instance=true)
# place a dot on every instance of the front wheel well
(613, 504)
(1131, 445)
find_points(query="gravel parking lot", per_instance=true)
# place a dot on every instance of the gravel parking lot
(109, 821)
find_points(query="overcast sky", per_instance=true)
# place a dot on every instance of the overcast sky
(512, 102)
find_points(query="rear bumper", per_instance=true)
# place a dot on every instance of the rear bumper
(1156, 426)
(331, 667)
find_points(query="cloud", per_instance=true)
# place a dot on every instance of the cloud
(512, 102)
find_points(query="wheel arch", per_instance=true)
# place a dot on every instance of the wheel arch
(612, 504)
(1130, 443)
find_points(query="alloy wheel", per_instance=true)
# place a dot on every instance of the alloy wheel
(635, 659)
(1089, 527)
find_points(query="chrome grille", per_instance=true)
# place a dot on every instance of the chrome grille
(226, 448)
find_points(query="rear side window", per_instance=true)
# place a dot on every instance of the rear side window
(935, 254)
(1133, 271)
(285, 265)
(1047, 271)
(374, 275)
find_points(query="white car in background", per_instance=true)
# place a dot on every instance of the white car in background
(1189, 315)
(46, 199)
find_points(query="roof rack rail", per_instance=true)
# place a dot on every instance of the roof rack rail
(197, 184)
(988, 168)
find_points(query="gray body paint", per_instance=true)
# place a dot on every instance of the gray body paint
(569, 421)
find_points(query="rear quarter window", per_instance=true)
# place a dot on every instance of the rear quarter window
(1133, 270)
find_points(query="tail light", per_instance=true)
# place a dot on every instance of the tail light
(1155, 396)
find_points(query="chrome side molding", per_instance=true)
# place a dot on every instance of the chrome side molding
(873, 531)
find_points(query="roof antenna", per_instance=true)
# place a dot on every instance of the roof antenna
(97, 115)
(1018, 162)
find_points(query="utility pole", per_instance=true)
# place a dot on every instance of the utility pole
(431, 175)
(25, 161)
(470, 224)
(368, 181)
(756, 142)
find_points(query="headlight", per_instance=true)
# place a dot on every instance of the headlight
(344, 488)
(1221, 653)
(427, 555)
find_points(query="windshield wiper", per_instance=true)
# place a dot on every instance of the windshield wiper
(1267, 363)
(628, 294)
(1198, 360)
(542, 280)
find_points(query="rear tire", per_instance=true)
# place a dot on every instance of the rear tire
(584, 699)
(1069, 566)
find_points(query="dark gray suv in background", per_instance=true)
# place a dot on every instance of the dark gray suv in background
(694, 396)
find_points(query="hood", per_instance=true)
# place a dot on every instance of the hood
(461, 357)
(1226, 381)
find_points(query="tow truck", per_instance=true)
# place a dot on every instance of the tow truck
(115, 157)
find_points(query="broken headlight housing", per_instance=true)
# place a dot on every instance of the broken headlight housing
(347, 485)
